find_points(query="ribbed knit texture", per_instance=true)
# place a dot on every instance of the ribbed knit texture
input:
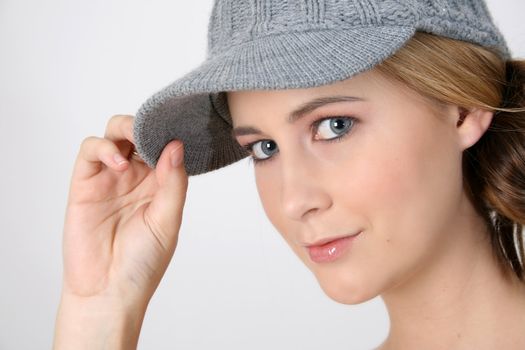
(271, 44)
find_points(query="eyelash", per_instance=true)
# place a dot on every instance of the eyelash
(314, 126)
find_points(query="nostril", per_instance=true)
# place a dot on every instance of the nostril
(305, 202)
(293, 209)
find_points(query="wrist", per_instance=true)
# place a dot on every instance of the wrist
(97, 323)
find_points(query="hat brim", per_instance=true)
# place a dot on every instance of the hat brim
(185, 109)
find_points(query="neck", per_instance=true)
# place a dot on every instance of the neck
(461, 300)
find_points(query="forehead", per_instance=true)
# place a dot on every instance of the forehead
(369, 85)
(245, 102)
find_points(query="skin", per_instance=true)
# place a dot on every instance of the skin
(121, 229)
(397, 178)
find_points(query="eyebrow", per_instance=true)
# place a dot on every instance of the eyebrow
(300, 112)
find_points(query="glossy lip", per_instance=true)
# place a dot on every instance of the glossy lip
(332, 250)
(330, 239)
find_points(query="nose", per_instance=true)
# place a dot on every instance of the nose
(303, 188)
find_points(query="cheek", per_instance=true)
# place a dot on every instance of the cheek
(407, 190)
(414, 189)
(404, 188)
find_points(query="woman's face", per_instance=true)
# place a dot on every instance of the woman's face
(393, 174)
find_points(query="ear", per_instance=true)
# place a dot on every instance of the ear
(471, 125)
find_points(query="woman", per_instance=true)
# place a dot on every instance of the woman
(419, 201)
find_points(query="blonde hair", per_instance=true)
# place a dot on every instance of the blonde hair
(468, 75)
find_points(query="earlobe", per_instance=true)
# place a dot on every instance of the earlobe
(472, 124)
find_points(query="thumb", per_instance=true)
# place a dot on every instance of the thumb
(165, 210)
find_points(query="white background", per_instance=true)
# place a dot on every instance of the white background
(65, 68)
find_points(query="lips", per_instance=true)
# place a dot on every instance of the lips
(330, 249)
(323, 241)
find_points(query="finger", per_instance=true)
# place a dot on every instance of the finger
(120, 127)
(96, 152)
(165, 210)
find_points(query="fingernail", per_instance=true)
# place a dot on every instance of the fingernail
(119, 159)
(176, 156)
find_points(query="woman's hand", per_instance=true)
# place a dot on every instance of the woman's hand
(122, 218)
(120, 232)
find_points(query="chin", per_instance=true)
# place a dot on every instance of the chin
(345, 289)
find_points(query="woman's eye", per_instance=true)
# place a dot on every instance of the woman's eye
(330, 128)
(326, 129)
(263, 149)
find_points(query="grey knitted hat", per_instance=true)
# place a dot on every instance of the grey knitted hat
(281, 44)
